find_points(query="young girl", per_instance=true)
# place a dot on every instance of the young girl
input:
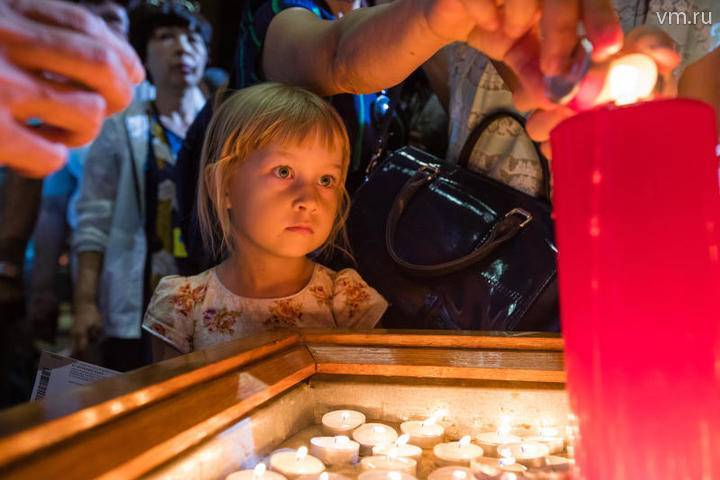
(273, 173)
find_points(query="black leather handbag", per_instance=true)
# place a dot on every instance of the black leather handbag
(450, 248)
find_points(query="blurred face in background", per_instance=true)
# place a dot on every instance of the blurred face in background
(176, 57)
(114, 15)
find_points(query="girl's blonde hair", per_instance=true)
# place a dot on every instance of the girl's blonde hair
(252, 119)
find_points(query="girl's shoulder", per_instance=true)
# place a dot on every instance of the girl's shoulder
(355, 304)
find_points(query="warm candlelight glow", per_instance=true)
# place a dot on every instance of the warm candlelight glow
(464, 441)
(459, 474)
(378, 428)
(506, 457)
(342, 439)
(402, 440)
(394, 476)
(301, 453)
(259, 470)
(631, 78)
(504, 427)
(324, 476)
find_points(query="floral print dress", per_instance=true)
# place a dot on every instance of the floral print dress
(193, 313)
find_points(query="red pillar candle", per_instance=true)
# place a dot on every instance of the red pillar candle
(637, 217)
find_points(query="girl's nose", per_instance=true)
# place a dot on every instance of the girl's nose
(305, 197)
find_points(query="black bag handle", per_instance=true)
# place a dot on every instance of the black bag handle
(502, 231)
(480, 128)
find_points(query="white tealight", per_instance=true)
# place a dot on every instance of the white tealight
(555, 444)
(295, 463)
(489, 441)
(461, 452)
(338, 450)
(399, 449)
(452, 473)
(260, 472)
(530, 454)
(377, 474)
(386, 462)
(424, 433)
(495, 466)
(323, 476)
(371, 434)
(341, 422)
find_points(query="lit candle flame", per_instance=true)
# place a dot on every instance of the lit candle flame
(506, 457)
(464, 441)
(631, 77)
(342, 439)
(459, 474)
(402, 440)
(504, 427)
(432, 419)
(301, 453)
(259, 470)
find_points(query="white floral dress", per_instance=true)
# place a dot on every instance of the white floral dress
(193, 313)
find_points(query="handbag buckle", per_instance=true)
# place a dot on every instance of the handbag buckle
(431, 171)
(527, 216)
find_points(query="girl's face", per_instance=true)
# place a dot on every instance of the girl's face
(176, 57)
(284, 200)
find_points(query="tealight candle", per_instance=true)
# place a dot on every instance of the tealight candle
(260, 472)
(550, 437)
(335, 450)
(371, 434)
(529, 454)
(377, 474)
(452, 473)
(387, 462)
(489, 441)
(461, 452)
(553, 460)
(323, 476)
(401, 448)
(554, 472)
(341, 422)
(295, 463)
(495, 466)
(424, 433)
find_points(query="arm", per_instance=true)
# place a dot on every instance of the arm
(161, 350)
(95, 212)
(377, 47)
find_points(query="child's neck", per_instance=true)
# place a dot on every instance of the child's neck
(269, 277)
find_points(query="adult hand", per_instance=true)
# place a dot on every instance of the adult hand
(87, 325)
(62, 66)
(651, 41)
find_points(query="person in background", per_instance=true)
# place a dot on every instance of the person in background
(43, 44)
(128, 235)
(273, 175)
(57, 216)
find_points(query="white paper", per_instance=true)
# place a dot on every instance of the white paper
(58, 374)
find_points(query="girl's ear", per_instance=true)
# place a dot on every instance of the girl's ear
(226, 201)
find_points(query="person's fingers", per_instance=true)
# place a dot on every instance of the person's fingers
(484, 13)
(657, 44)
(519, 16)
(74, 56)
(27, 152)
(602, 28)
(74, 17)
(546, 150)
(77, 115)
(559, 24)
(542, 122)
(523, 59)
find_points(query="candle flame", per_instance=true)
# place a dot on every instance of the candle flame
(432, 419)
(301, 453)
(459, 474)
(507, 457)
(394, 476)
(504, 427)
(402, 440)
(632, 77)
(342, 439)
(464, 441)
(259, 470)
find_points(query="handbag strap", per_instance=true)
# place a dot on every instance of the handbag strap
(502, 231)
(490, 118)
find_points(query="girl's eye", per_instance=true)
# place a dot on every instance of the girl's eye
(327, 181)
(283, 172)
